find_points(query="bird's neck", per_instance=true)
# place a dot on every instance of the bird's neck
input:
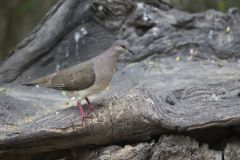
(110, 60)
(112, 54)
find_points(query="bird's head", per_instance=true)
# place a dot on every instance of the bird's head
(121, 46)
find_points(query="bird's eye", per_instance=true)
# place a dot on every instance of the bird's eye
(123, 46)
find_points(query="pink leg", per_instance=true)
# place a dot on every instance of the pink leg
(82, 114)
(90, 106)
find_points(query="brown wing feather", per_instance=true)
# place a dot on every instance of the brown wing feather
(75, 78)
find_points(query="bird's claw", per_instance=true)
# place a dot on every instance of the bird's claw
(81, 111)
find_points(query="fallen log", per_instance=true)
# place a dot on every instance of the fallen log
(184, 80)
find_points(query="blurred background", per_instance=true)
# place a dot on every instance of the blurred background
(19, 17)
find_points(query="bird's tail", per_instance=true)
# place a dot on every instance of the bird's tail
(41, 82)
(31, 83)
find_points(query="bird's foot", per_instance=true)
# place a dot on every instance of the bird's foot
(81, 111)
(90, 106)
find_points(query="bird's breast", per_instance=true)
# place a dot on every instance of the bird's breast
(104, 70)
(104, 75)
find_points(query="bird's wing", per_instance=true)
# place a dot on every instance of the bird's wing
(75, 78)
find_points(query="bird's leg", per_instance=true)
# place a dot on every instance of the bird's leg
(90, 106)
(82, 114)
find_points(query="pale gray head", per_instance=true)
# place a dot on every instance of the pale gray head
(121, 46)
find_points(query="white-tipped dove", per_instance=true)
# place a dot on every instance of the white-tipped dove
(88, 78)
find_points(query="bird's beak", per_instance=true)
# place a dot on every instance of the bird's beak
(130, 51)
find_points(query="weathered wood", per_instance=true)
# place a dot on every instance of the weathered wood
(63, 18)
(142, 111)
(232, 150)
(189, 90)
(140, 151)
(202, 35)
(180, 147)
(41, 39)
(168, 147)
